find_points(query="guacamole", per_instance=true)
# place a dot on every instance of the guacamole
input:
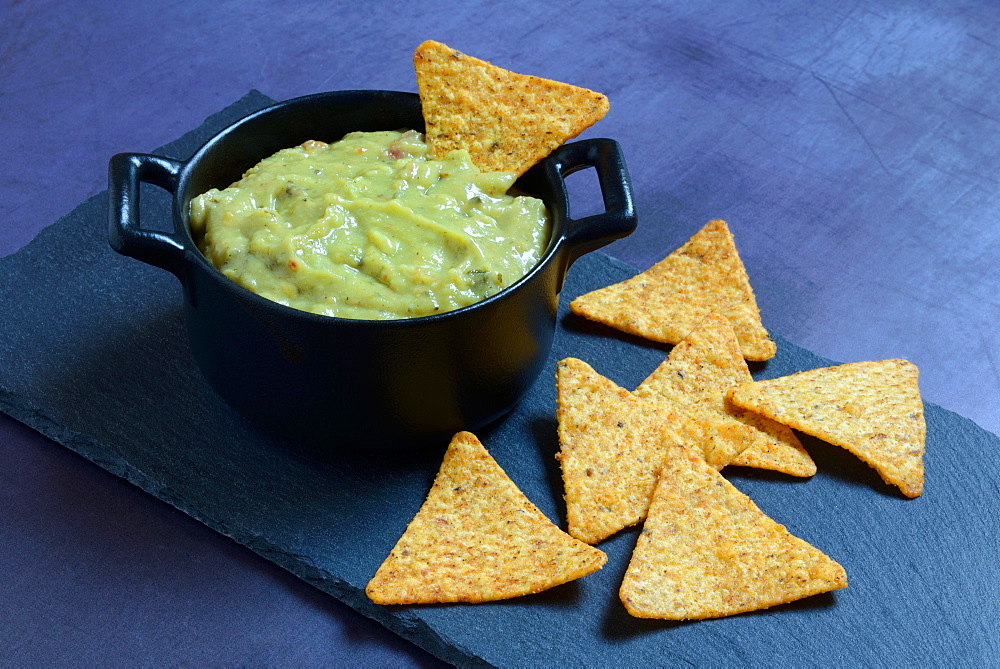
(371, 227)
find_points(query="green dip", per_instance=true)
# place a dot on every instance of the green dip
(371, 227)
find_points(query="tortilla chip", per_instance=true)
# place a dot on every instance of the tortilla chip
(775, 448)
(506, 121)
(477, 538)
(695, 378)
(707, 551)
(668, 300)
(872, 409)
(611, 448)
(718, 443)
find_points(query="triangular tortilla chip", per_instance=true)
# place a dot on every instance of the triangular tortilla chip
(695, 378)
(872, 409)
(707, 551)
(668, 300)
(477, 538)
(611, 448)
(506, 121)
(719, 443)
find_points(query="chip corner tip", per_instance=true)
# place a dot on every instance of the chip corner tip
(764, 351)
(429, 45)
(375, 595)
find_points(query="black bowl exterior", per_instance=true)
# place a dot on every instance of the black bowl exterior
(339, 385)
(370, 383)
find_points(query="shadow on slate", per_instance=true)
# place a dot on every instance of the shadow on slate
(94, 355)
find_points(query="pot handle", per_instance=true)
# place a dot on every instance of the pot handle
(619, 219)
(125, 172)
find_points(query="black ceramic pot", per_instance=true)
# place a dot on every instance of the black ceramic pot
(338, 385)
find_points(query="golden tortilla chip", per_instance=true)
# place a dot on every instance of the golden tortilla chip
(611, 448)
(707, 551)
(717, 442)
(506, 121)
(695, 378)
(477, 538)
(872, 409)
(668, 300)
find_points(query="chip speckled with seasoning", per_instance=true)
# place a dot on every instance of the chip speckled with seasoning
(718, 442)
(612, 444)
(477, 538)
(873, 409)
(506, 121)
(695, 378)
(668, 300)
(707, 551)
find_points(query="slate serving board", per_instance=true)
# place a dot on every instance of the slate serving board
(93, 354)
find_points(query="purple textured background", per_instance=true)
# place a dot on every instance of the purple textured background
(851, 146)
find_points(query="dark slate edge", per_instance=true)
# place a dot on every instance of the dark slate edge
(414, 630)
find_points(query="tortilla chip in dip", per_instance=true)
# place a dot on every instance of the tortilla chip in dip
(506, 121)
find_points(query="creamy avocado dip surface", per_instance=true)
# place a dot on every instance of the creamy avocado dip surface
(371, 227)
